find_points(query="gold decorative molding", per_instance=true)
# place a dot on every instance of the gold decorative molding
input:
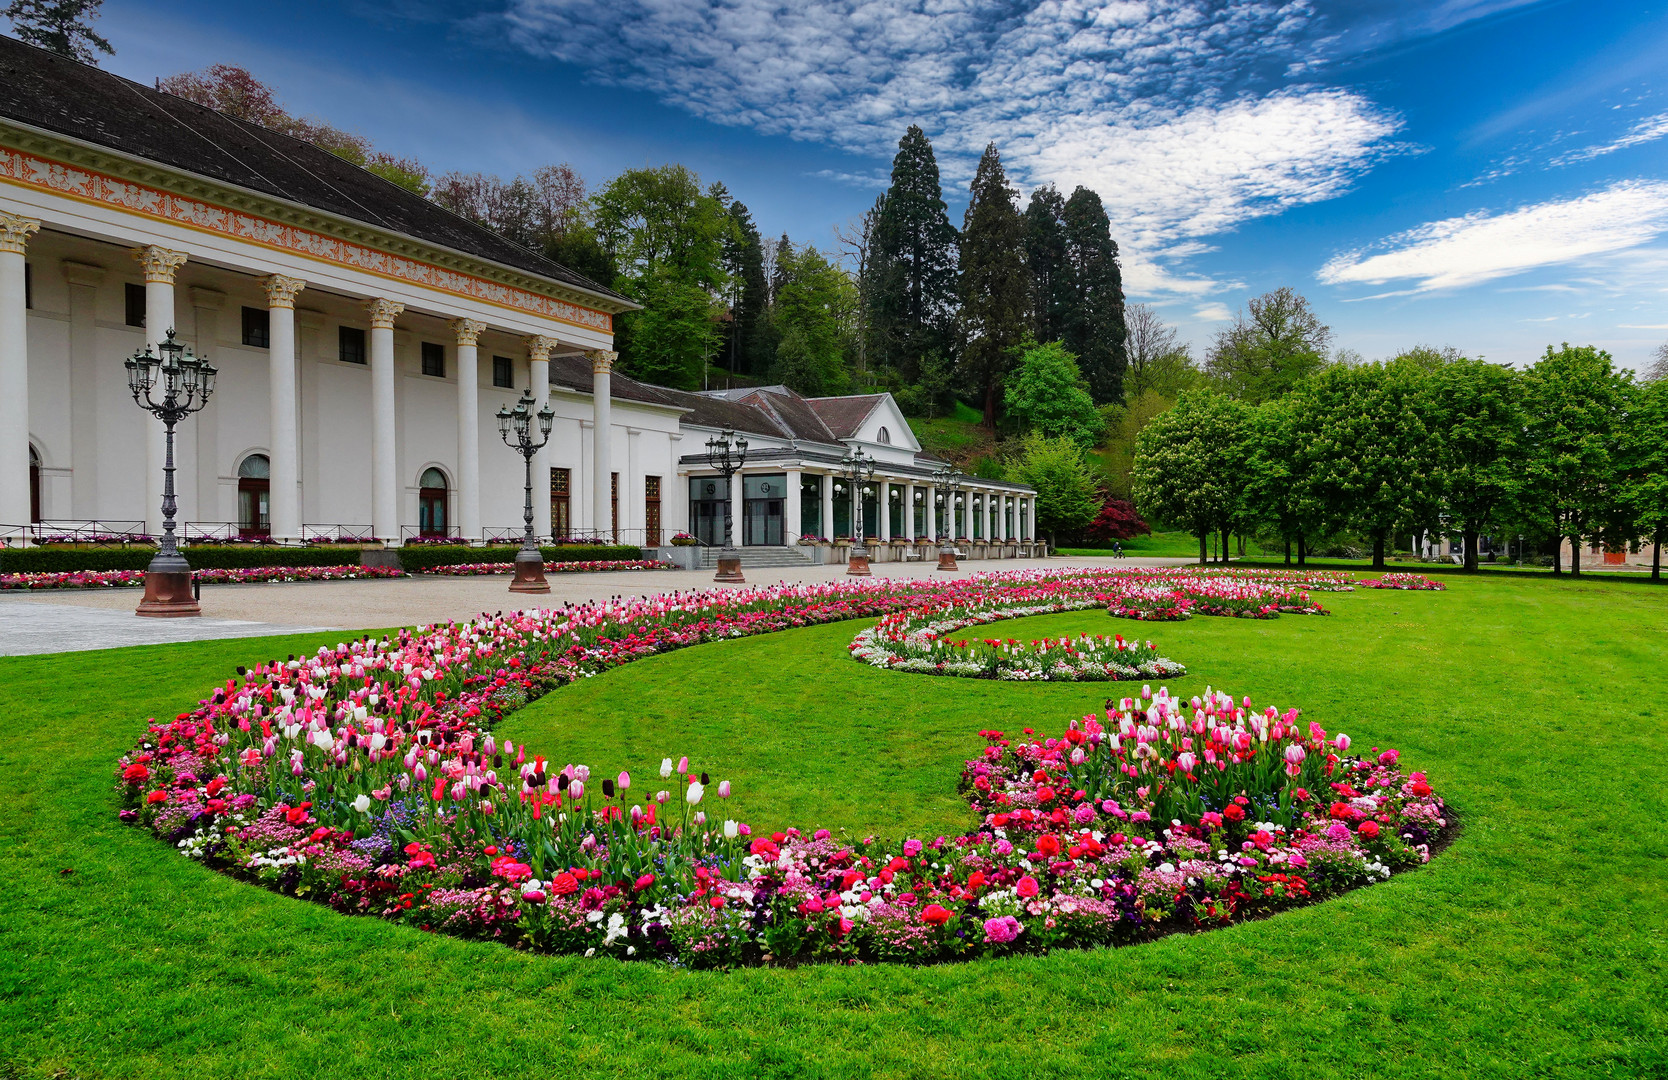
(538, 347)
(281, 291)
(602, 360)
(469, 331)
(159, 264)
(383, 312)
(94, 175)
(15, 232)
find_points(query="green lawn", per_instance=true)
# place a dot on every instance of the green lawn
(1178, 545)
(1534, 947)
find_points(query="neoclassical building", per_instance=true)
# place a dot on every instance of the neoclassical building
(365, 338)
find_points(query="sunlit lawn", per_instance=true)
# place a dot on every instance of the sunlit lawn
(1534, 947)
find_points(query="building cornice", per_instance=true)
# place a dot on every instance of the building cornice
(28, 155)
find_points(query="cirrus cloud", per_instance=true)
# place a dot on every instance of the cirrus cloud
(1479, 247)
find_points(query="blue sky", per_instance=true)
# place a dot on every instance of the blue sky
(1486, 174)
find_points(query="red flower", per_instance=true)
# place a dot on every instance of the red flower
(1368, 830)
(934, 915)
(157, 796)
(1045, 794)
(1420, 788)
(1048, 844)
(1027, 887)
(563, 884)
(135, 773)
(643, 882)
(1233, 812)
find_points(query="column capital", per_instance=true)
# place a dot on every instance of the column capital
(158, 263)
(539, 346)
(383, 312)
(602, 360)
(281, 291)
(469, 331)
(15, 232)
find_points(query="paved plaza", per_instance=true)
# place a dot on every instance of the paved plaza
(71, 620)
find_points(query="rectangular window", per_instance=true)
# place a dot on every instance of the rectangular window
(810, 505)
(434, 359)
(503, 372)
(257, 328)
(614, 497)
(651, 511)
(350, 345)
(135, 296)
(560, 507)
(28, 286)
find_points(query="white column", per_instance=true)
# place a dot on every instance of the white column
(538, 375)
(909, 511)
(469, 430)
(883, 504)
(737, 505)
(159, 265)
(385, 488)
(14, 370)
(792, 510)
(201, 431)
(827, 522)
(84, 386)
(602, 409)
(286, 440)
(932, 511)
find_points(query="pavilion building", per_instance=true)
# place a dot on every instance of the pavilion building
(365, 339)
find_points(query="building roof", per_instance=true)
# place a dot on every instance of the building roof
(844, 415)
(57, 94)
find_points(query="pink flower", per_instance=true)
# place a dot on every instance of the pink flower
(1026, 887)
(912, 848)
(1003, 930)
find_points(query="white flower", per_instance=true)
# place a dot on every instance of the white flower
(665, 768)
(730, 829)
(693, 795)
(362, 804)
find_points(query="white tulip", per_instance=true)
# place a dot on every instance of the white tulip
(665, 768)
(730, 831)
(693, 795)
(362, 804)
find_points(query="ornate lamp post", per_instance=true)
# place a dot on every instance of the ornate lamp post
(184, 383)
(727, 452)
(859, 469)
(947, 480)
(516, 427)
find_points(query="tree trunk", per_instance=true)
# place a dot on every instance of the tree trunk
(1557, 555)
(1656, 554)
(1241, 539)
(1288, 551)
(1470, 550)
(1202, 533)
(1575, 555)
(1302, 549)
(1378, 553)
(990, 405)
(1224, 545)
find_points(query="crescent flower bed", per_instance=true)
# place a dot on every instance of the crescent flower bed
(1407, 582)
(366, 777)
(105, 579)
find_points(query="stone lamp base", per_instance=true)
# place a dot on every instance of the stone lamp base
(168, 596)
(529, 573)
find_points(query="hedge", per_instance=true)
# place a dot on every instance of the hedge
(42, 560)
(422, 556)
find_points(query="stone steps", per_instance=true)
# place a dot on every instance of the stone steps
(760, 557)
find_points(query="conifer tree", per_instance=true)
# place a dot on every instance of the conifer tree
(63, 26)
(1094, 322)
(915, 261)
(749, 293)
(1045, 259)
(994, 296)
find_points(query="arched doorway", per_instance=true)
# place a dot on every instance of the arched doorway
(431, 503)
(254, 495)
(34, 486)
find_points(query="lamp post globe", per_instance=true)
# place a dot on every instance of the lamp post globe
(526, 432)
(726, 453)
(170, 383)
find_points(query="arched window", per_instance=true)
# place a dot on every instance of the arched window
(883, 437)
(34, 485)
(254, 494)
(431, 503)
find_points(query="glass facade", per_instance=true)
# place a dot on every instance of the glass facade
(709, 508)
(810, 506)
(763, 499)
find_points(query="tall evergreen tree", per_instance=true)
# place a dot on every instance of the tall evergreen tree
(63, 26)
(1045, 259)
(1094, 323)
(749, 293)
(994, 297)
(914, 261)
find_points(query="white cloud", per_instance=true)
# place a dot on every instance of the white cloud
(1179, 113)
(1481, 247)
(1647, 130)
(1217, 312)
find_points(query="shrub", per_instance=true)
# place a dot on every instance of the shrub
(421, 558)
(46, 560)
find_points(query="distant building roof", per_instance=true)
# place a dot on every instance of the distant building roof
(844, 415)
(51, 92)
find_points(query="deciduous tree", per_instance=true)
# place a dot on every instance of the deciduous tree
(1191, 464)
(1273, 344)
(1476, 424)
(1066, 496)
(1046, 393)
(1574, 406)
